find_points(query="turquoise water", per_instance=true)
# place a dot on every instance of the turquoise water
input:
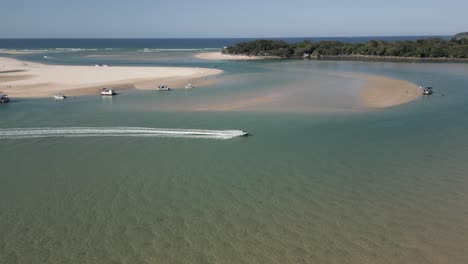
(347, 186)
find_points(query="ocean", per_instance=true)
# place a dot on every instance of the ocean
(174, 43)
(333, 183)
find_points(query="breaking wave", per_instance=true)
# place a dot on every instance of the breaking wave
(19, 133)
(24, 50)
(73, 49)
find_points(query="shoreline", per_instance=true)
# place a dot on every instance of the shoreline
(347, 58)
(24, 79)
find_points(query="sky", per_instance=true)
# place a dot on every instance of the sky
(225, 19)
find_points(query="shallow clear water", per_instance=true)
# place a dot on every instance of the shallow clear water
(386, 186)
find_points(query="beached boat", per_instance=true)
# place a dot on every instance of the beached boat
(188, 86)
(164, 88)
(107, 91)
(59, 97)
(4, 98)
(426, 90)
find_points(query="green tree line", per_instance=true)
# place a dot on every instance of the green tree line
(422, 48)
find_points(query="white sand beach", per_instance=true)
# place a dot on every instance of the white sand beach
(217, 55)
(30, 79)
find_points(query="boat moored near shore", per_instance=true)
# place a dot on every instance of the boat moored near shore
(4, 98)
(426, 90)
(107, 92)
(59, 97)
(164, 88)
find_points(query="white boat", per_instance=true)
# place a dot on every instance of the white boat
(59, 97)
(189, 86)
(107, 91)
(164, 88)
(4, 98)
(426, 90)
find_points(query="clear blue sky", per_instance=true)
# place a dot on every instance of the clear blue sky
(235, 18)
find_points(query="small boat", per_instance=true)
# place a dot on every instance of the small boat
(107, 91)
(189, 86)
(4, 98)
(59, 97)
(426, 90)
(245, 134)
(164, 88)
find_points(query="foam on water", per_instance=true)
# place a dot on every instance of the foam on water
(18, 133)
(73, 49)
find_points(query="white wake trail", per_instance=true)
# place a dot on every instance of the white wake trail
(18, 133)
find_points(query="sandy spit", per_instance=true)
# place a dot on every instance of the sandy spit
(383, 92)
(220, 56)
(33, 80)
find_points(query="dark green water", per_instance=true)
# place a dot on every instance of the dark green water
(387, 186)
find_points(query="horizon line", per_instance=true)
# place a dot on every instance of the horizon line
(359, 36)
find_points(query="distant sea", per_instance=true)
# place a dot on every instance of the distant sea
(173, 43)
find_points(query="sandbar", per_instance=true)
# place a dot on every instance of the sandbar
(34, 80)
(217, 55)
(372, 92)
(383, 92)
